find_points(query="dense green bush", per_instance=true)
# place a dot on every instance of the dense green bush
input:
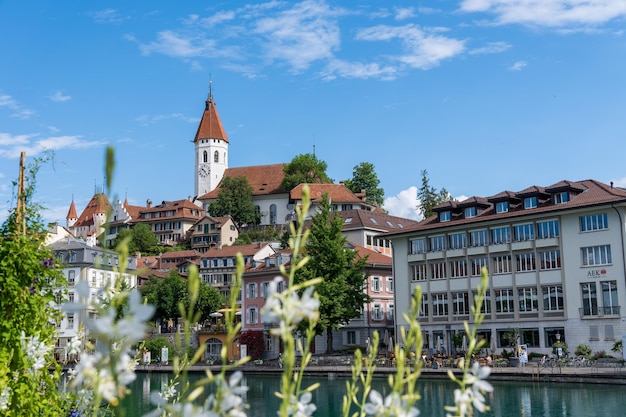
(583, 350)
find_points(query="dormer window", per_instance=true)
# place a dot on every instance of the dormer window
(530, 202)
(444, 216)
(470, 212)
(502, 207)
(560, 198)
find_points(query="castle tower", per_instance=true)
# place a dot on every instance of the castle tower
(72, 216)
(211, 149)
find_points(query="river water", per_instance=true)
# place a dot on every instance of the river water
(508, 399)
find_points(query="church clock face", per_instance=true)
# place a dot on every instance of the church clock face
(204, 171)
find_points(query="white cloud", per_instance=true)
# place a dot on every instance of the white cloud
(518, 66)
(358, 70)
(491, 48)
(306, 33)
(11, 146)
(423, 49)
(108, 16)
(179, 45)
(404, 204)
(58, 96)
(153, 119)
(18, 109)
(620, 182)
(403, 13)
(550, 13)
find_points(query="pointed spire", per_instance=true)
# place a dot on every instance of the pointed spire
(71, 214)
(210, 125)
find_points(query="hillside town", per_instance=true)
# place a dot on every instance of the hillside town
(555, 255)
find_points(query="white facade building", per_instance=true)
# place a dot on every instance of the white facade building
(556, 262)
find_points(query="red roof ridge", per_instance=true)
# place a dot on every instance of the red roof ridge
(210, 126)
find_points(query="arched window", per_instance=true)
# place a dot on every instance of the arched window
(205, 157)
(213, 347)
(216, 156)
(273, 214)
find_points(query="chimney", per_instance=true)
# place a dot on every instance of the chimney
(149, 203)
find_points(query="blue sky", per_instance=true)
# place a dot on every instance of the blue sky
(486, 95)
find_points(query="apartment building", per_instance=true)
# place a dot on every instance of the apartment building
(556, 263)
(171, 220)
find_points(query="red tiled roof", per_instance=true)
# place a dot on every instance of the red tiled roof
(373, 257)
(133, 211)
(264, 179)
(71, 214)
(99, 203)
(374, 219)
(594, 193)
(338, 193)
(231, 251)
(210, 125)
(190, 253)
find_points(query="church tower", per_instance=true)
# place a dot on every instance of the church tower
(211, 149)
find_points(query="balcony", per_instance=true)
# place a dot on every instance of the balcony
(597, 312)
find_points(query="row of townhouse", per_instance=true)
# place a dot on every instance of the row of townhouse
(98, 269)
(556, 262)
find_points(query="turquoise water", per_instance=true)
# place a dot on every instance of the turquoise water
(509, 398)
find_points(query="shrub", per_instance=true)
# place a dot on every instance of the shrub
(253, 339)
(154, 346)
(583, 350)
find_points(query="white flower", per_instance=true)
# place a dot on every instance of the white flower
(473, 394)
(288, 309)
(5, 397)
(35, 351)
(392, 405)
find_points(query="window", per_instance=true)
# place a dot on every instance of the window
(550, 259)
(485, 308)
(470, 212)
(377, 285)
(525, 262)
(389, 284)
(424, 306)
(500, 235)
(70, 321)
(502, 207)
(530, 202)
(251, 290)
(377, 311)
(440, 304)
(528, 299)
(205, 156)
(610, 306)
(418, 245)
(479, 238)
(501, 264)
(560, 198)
(594, 222)
(458, 241)
(390, 311)
(458, 268)
(524, 232)
(548, 229)
(460, 304)
(596, 255)
(70, 296)
(71, 277)
(273, 214)
(213, 347)
(554, 334)
(351, 337)
(552, 298)
(419, 272)
(589, 298)
(216, 156)
(437, 243)
(478, 264)
(93, 277)
(444, 216)
(264, 289)
(438, 270)
(504, 301)
(252, 315)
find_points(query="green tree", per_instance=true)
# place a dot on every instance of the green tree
(341, 292)
(166, 294)
(140, 239)
(305, 168)
(30, 280)
(364, 178)
(235, 199)
(429, 197)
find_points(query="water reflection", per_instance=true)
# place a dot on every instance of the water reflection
(508, 400)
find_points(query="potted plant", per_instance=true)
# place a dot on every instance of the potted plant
(513, 336)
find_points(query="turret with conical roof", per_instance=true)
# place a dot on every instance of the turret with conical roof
(72, 216)
(211, 149)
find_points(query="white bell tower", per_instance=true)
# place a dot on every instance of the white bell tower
(211, 146)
